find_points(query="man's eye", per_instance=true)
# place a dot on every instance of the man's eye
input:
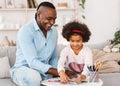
(49, 19)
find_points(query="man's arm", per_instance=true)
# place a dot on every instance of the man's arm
(53, 71)
(54, 62)
(25, 41)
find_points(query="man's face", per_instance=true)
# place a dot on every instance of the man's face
(46, 18)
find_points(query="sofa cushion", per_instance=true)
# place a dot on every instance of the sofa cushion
(12, 54)
(109, 67)
(9, 51)
(4, 67)
(99, 55)
(109, 60)
(6, 82)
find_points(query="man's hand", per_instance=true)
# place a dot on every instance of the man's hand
(71, 74)
(53, 71)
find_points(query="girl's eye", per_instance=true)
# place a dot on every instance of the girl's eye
(78, 40)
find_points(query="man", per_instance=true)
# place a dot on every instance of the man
(36, 55)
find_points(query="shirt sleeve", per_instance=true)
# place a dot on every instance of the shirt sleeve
(25, 41)
(62, 60)
(54, 59)
(88, 61)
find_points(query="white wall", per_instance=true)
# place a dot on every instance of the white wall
(102, 17)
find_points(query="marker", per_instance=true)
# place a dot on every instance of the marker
(53, 80)
(90, 68)
(94, 68)
(84, 81)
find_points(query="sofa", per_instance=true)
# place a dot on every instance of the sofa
(5, 64)
(7, 59)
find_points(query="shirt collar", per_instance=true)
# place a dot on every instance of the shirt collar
(36, 27)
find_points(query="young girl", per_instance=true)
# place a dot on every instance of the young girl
(76, 56)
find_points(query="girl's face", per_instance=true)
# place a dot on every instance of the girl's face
(76, 42)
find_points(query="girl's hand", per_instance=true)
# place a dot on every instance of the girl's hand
(63, 77)
(81, 78)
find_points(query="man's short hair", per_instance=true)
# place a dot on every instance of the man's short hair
(46, 4)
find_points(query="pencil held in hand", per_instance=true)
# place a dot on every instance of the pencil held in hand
(98, 65)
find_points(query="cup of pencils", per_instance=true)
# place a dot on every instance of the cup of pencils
(94, 74)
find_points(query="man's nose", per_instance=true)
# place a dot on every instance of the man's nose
(52, 21)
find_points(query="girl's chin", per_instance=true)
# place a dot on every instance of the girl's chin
(76, 48)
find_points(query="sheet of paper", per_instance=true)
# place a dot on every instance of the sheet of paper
(56, 82)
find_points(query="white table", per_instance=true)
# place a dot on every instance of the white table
(56, 82)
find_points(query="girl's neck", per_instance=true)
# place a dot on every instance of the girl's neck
(76, 51)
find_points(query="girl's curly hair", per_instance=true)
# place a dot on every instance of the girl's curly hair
(76, 27)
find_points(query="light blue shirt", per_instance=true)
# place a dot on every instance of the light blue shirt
(34, 50)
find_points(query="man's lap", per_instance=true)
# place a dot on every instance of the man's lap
(27, 75)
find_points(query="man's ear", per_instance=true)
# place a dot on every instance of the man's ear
(37, 14)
